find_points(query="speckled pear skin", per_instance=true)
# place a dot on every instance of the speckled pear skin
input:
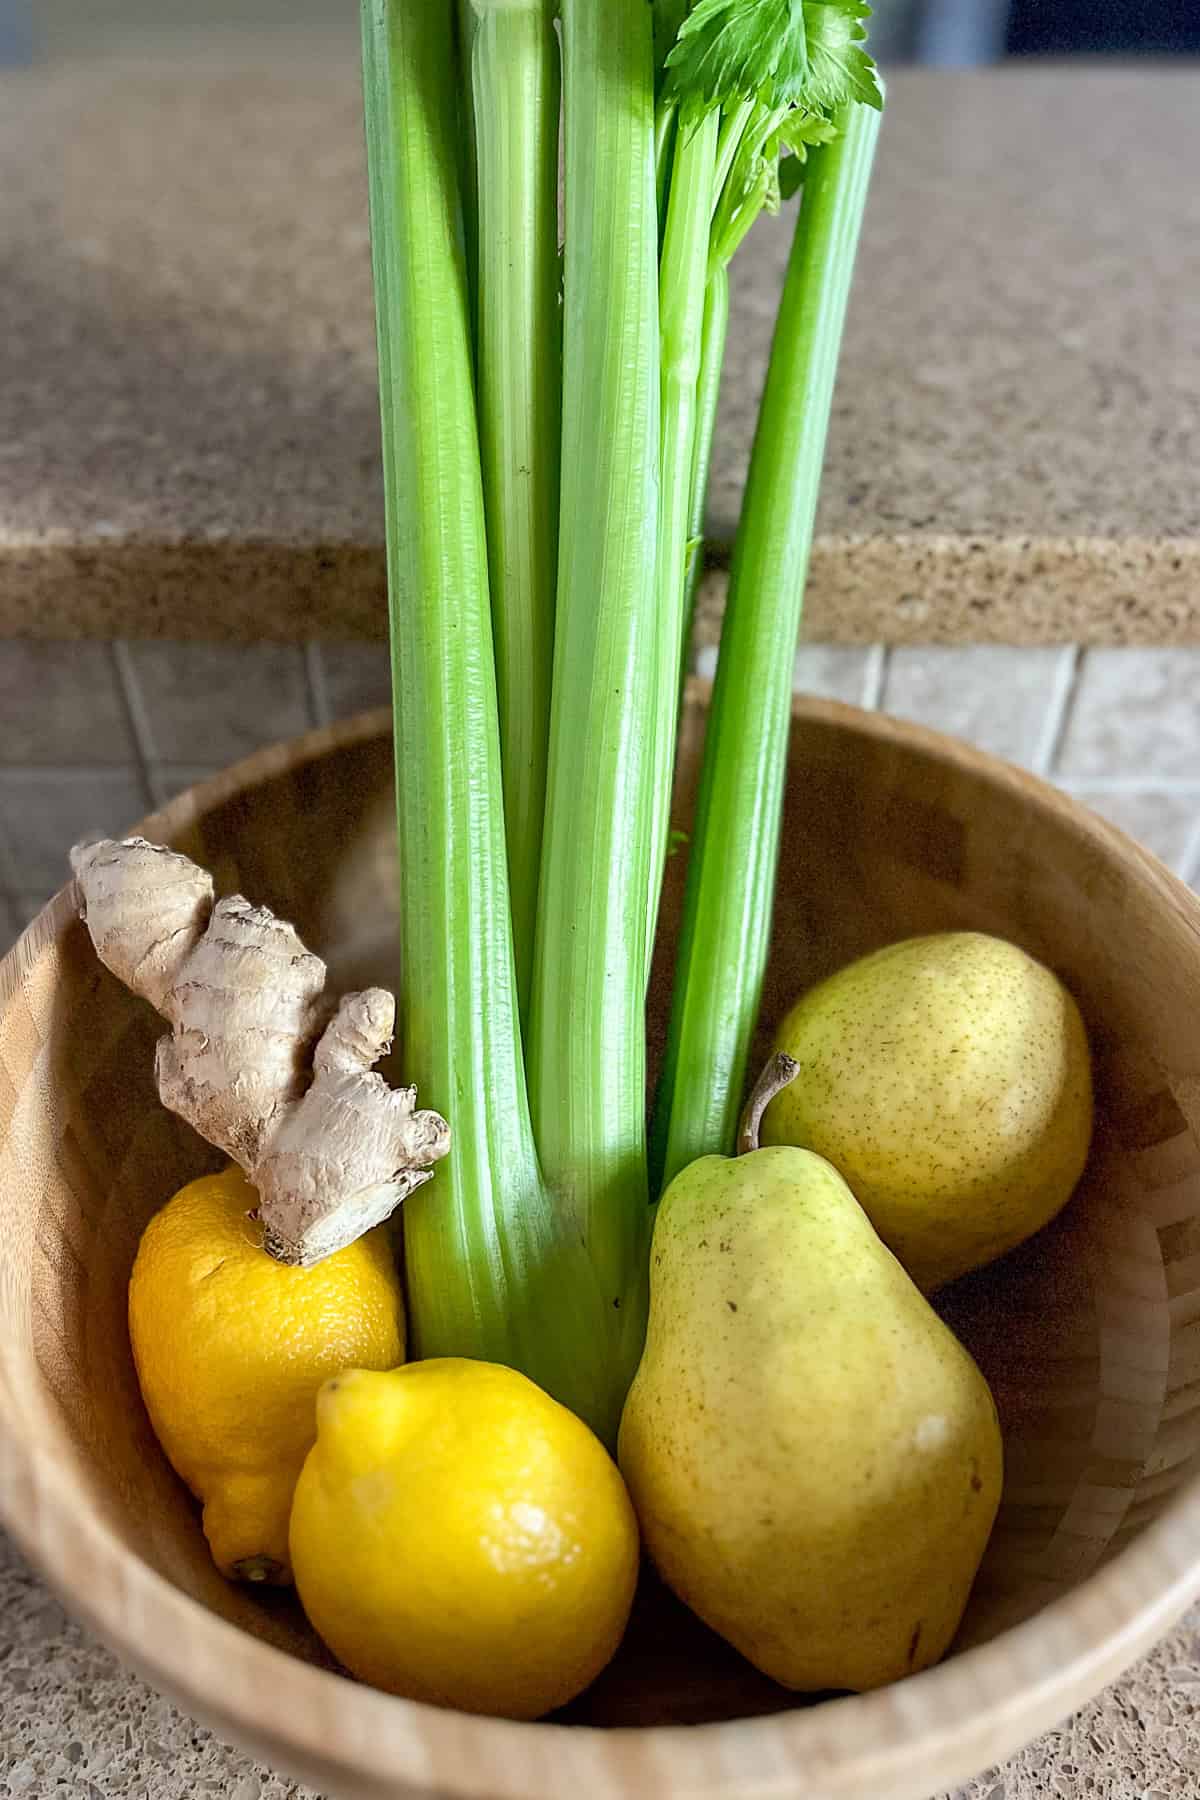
(814, 1458)
(948, 1079)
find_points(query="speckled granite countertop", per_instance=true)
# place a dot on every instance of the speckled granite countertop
(73, 1723)
(189, 442)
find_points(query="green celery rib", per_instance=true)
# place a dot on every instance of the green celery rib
(492, 1273)
(587, 1032)
(466, 151)
(681, 297)
(734, 124)
(744, 189)
(515, 85)
(731, 874)
(708, 392)
(664, 148)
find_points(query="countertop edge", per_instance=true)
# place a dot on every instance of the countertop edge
(899, 589)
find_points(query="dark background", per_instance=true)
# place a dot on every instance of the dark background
(956, 32)
(1058, 27)
(946, 32)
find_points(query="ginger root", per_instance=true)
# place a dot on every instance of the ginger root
(258, 1061)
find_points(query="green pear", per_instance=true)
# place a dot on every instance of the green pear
(948, 1079)
(814, 1458)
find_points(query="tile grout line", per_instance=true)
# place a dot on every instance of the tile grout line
(130, 691)
(875, 671)
(318, 687)
(1058, 711)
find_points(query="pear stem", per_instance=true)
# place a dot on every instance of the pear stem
(779, 1071)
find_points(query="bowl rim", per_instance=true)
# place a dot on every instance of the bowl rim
(930, 1730)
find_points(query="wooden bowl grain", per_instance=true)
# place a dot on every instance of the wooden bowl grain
(1090, 1334)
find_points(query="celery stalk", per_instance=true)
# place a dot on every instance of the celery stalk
(708, 393)
(466, 156)
(682, 286)
(493, 1269)
(515, 82)
(664, 149)
(735, 845)
(733, 128)
(745, 186)
(587, 1032)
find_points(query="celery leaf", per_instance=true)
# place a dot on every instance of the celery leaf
(798, 132)
(791, 176)
(731, 50)
(668, 18)
(806, 53)
(839, 68)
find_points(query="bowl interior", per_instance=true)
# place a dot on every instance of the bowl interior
(1090, 1334)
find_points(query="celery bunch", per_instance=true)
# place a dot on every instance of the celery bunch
(547, 420)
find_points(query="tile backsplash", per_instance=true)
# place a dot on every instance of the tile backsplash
(62, 704)
(1008, 701)
(1144, 718)
(212, 703)
(93, 735)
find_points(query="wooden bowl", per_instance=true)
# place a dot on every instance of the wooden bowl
(1090, 1334)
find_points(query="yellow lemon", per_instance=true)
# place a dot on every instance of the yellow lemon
(459, 1537)
(231, 1350)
